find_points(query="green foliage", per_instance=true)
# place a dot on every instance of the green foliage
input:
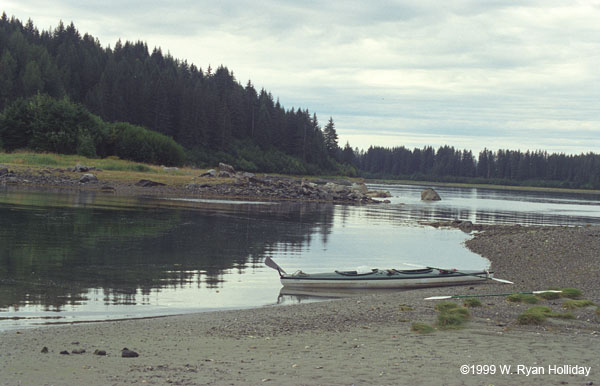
(531, 316)
(45, 124)
(472, 302)
(445, 306)
(573, 304)
(549, 295)
(572, 293)
(537, 315)
(522, 298)
(138, 144)
(421, 328)
(452, 316)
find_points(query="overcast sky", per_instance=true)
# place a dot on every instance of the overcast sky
(471, 74)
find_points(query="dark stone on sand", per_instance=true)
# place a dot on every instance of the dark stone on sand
(99, 352)
(64, 352)
(127, 353)
(148, 183)
(44, 350)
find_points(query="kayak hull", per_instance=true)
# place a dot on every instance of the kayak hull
(385, 279)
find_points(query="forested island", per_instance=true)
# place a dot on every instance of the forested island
(65, 93)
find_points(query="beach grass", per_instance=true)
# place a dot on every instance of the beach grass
(452, 316)
(472, 302)
(571, 293)
(421, 328)
(549, 295)
(522, 298)
(572, 304)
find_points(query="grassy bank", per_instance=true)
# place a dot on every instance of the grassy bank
(111, 168)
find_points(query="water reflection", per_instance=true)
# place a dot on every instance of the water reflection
(52, 254)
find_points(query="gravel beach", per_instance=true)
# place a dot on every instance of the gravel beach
(364, 340)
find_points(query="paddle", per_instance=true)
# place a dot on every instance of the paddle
(485, 295)
(466, 274)
(270, 263)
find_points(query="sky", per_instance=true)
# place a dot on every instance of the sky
(473, 74)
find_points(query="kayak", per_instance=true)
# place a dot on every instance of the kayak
(382, 278)
(385, 278)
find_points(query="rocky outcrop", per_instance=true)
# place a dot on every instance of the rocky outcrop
(284, 188)
(430, 195)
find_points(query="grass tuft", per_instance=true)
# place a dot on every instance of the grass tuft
(422, 328)
(573, 304)
(445, 306)
(571, 293)
(472, 302)
(522, 298)
(549, 295)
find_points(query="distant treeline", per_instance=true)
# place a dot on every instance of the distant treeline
(214, 118)
(503, 167)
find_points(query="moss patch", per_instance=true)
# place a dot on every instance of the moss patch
(573, 304)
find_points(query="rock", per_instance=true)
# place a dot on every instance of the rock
(78, 351)
(3, 171)
(83, 168)
(107, 189)
(44, 350)
(430, 195)
(466, 226)
(127, 353)
(359, 187)
(148, 183)
(225, 174)
(99, 352)
(88, 177)
(378, 194)
(168, 169)
(209, 173)
(64, 352)
(226, 168)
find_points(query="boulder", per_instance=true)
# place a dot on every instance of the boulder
(88, 177)
(209, 173)
(83, 168)
(430, 195)
(226, 168)
(148, 183)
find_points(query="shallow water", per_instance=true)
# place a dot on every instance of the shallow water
(73, 257)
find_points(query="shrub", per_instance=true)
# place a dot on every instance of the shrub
(472, 302)
(572, 293)
(531, 318)
(139, 144)
(422, 328)
(573, 304)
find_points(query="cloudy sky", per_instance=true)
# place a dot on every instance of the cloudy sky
(467, 73)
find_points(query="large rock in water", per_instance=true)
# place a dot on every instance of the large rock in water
(430, 195)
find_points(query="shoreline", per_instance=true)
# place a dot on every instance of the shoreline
(359, 340)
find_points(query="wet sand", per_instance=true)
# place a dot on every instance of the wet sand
(364, 340)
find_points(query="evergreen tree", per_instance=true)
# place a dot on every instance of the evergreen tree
(331, 138)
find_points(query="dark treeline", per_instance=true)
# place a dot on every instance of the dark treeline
(216, 118)
(505, 167)
(207, 111)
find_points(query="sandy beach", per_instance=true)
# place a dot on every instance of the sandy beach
(363, 340)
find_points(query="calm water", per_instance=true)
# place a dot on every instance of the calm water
(88, 256)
